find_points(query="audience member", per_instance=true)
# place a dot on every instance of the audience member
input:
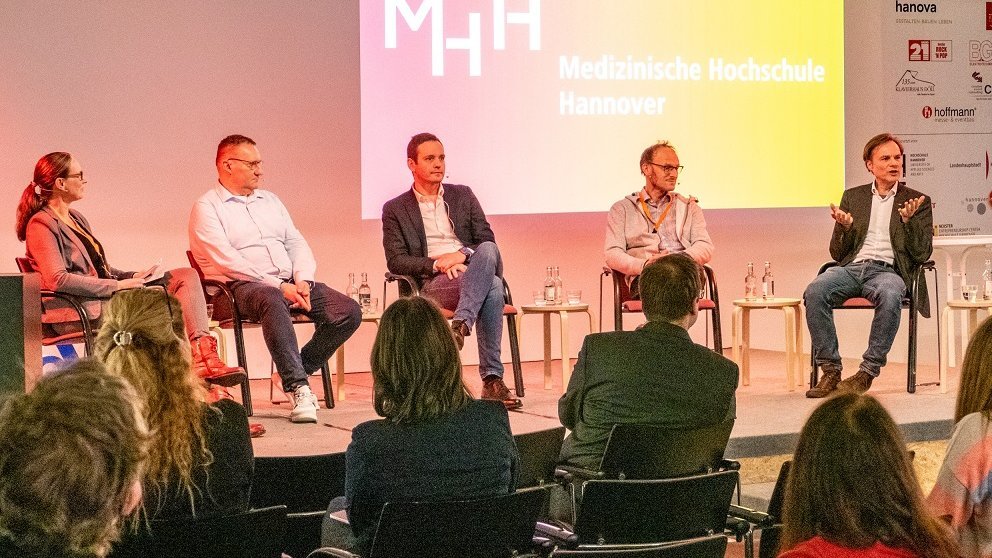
(438, 234)
(962, 495)
(435, 441)
(71, 459)
(201, 458)
(654, 375)
(643, 227)
(852, 491)
(63, 249)
(243, 234)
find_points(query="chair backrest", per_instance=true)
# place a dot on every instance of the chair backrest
(24, 265)
(252, 534)
(301, 483)
(489, 527)
(714, 546)
(654, 511)
(539, 453)
(640, 451)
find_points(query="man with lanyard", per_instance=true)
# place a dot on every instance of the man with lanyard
(438, 234)
(656, 221)
(882, 232)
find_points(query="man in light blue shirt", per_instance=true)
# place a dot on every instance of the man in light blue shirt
(243, 235)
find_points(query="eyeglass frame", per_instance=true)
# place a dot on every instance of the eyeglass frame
(668, 169)
(78, 175)
(252, 165)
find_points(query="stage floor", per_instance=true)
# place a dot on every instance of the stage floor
(768, 416)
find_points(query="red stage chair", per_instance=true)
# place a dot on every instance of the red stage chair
(908, 302)
(237, 323)
(408, 286)
(64, 320)
(623, 304)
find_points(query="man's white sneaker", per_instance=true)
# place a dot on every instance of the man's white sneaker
(305, 405)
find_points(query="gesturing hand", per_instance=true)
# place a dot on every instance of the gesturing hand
(844, 218)
(908, 209)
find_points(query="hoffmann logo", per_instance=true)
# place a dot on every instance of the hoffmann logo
(927, 112)
(473, 42)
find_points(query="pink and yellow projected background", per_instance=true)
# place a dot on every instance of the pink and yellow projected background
(544, 107)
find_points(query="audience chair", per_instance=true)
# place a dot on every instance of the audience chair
(305, 485)
(713, 546)
(237, 324)
(539, 453)
(623, 304)
(408, 286)
(769, 541)
(65, 312)
(501, 526)
(616, 514)
(253, 534)
(908, 302)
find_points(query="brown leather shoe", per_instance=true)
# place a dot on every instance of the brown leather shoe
(208, 365)
(828, 383)
(460, 331)
(494, 388)
(858, 383)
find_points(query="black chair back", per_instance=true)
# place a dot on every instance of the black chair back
(639, 451)
(714, 546)
(303, 483)
(539, 453)
(491, 527)
(253, 534)
(654, 511)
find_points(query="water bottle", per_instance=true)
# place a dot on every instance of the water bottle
(352, 291)
(987, 279)
(750, 283)
(768, 282)
(365, 293)
(559, 287)
(549, 288)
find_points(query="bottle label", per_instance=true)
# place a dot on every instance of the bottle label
(549, 293)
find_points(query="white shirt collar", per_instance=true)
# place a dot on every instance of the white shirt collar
(424, 199)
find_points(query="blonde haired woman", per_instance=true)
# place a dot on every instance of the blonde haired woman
(200, 459)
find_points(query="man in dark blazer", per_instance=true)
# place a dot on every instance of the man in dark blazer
(883, 232)
(438, 234)
(653, 375)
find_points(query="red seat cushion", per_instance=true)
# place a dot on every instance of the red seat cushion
(857, 302)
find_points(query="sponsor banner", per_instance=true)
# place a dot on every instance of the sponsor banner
(942, 106)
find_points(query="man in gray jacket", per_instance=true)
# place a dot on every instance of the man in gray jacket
(655, 221)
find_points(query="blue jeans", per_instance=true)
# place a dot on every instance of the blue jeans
(476, 297)
(335, 318)
(878, 283)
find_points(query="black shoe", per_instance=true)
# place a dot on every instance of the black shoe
(858, 383)
(828, 383)
(459, 331)
(494, 388)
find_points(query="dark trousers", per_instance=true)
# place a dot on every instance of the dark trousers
(335, 318)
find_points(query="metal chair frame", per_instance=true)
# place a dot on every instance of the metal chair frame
(75, 304)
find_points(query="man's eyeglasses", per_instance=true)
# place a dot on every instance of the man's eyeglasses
(253, 165)
(668, 169)
(78, 175)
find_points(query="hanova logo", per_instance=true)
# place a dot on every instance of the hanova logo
(441, 42)
(916, 7)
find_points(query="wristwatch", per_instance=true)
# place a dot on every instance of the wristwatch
(467, 252)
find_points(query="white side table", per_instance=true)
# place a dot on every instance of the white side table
(562, 310)
(971, 308)
(793, 336)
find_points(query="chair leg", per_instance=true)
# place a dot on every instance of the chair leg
(814, 372)
(911, 359)
(717, 332)
(325, 376)
(239, 343)
(518, 376)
